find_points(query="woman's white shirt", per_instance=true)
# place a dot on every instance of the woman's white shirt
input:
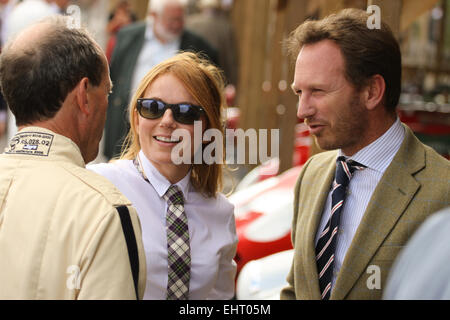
(211, 224)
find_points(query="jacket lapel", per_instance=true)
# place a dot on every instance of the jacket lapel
(394, 192)
(320, 185)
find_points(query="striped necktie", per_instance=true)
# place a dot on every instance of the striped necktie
(178, 248)
(326, 246)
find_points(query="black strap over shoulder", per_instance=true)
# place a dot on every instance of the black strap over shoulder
(130, 239)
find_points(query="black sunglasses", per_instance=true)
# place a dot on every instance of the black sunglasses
(182, 112)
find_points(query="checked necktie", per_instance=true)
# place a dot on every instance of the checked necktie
(326, 246)
(179, 255)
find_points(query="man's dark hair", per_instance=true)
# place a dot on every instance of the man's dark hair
(366, 52)
(36, 79)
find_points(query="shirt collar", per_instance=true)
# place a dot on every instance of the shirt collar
(149, 35)
(379, 154)
(159, 182)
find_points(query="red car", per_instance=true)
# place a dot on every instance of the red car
(263, 217)
(264, 203)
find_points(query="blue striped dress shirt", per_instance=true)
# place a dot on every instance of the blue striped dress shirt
(376, 157)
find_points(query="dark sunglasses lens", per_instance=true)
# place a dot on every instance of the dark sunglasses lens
(152, 109)
(187, 114)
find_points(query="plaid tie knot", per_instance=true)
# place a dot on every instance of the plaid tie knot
(174, 195)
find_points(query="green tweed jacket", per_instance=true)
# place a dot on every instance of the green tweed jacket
(415, 185)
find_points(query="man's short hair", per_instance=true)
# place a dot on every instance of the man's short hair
(366, 52)
(158, 6)
(36, 78)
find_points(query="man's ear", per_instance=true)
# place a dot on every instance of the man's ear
(82, 96)
(375, 90)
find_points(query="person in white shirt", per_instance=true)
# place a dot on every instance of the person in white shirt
(168, 98)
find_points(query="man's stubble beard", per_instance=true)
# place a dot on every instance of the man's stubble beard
(349, 128)
(163, 33)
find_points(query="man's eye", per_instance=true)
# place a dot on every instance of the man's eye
(317, 91)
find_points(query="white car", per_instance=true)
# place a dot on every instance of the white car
(264, 278)
(263, 213)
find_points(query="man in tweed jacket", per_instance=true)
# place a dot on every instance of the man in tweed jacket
(348, 79)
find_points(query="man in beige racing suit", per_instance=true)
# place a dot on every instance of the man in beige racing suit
(65, 232)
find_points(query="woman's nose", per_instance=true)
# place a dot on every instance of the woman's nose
(167, 120)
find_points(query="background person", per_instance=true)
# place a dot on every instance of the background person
(121, 16)
(145, 173)
(212, 24)
(61, 234)
(357, 211)
(139, 47)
